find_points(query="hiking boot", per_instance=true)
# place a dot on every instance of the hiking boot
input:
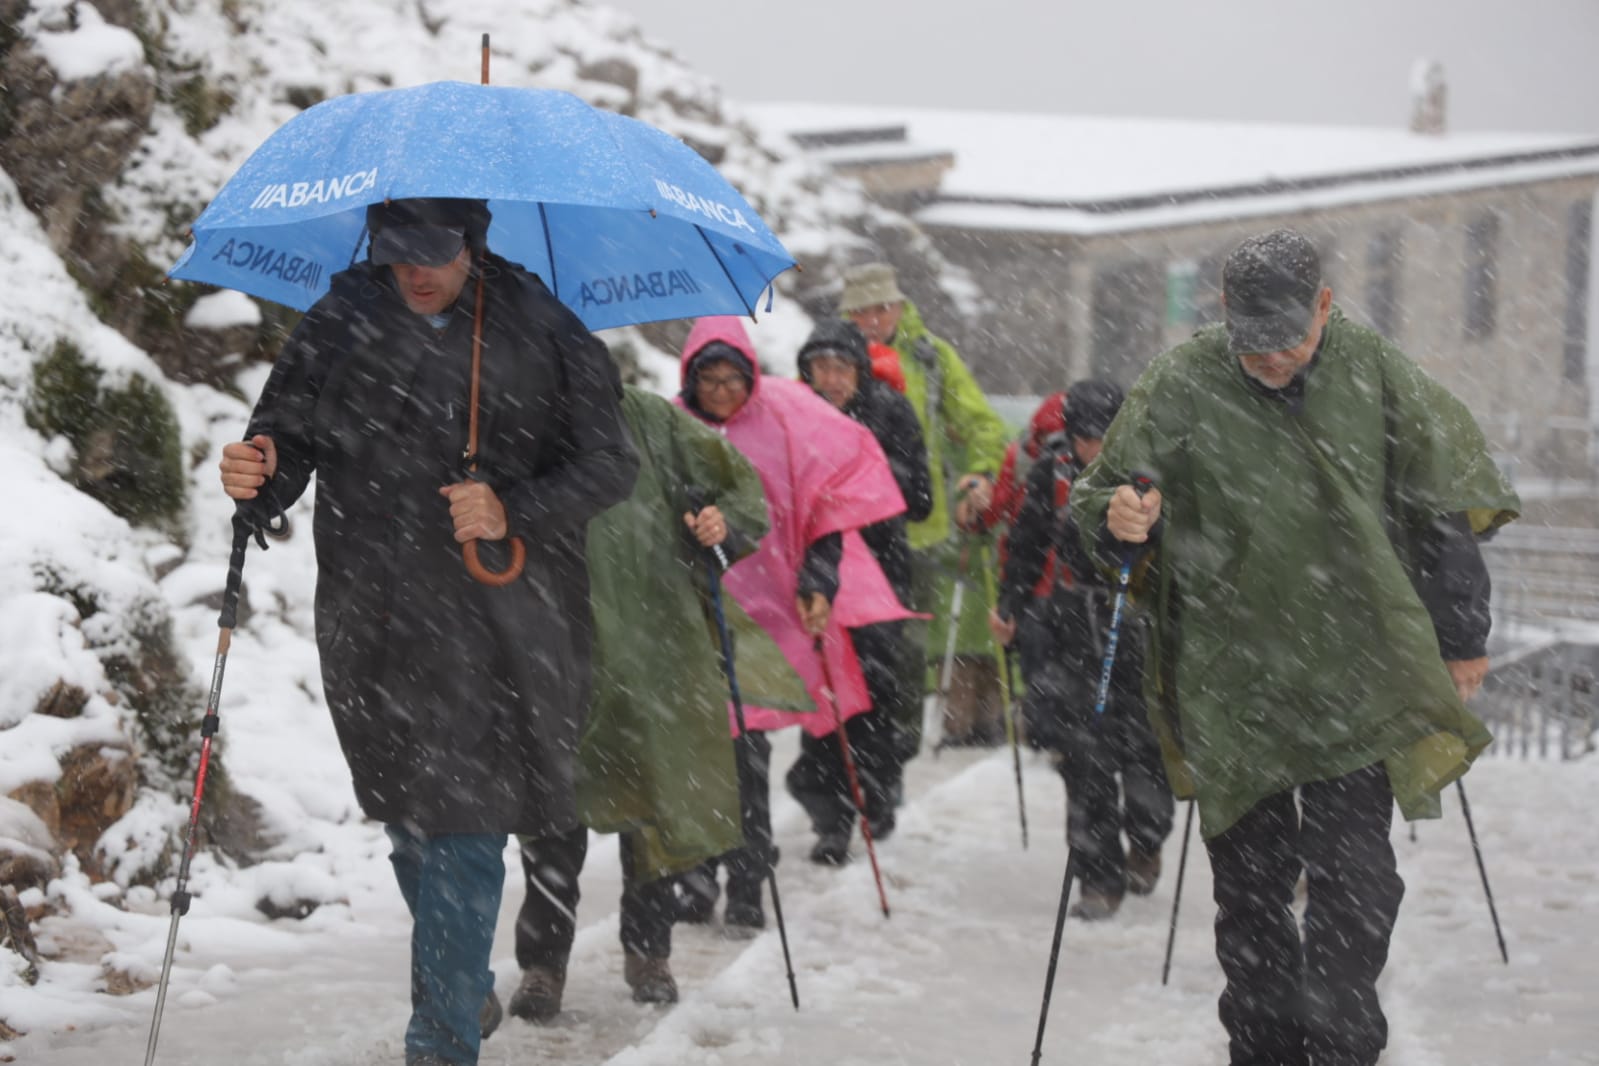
(882, 827)
(1143, 870)
(1095, 906)
(832, 849)
(743, 921)
(696, 898)
(650, 979)
(538, 998)
(695, 909)
(490, 1017)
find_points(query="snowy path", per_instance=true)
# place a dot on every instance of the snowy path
(955, 977)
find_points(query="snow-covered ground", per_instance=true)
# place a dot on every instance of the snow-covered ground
(955, 977)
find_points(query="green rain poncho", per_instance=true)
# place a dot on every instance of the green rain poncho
(1289, 644)
(656, 758)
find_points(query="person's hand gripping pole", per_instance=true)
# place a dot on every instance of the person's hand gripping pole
(1136, 509)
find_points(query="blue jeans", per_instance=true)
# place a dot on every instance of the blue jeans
(452, 885)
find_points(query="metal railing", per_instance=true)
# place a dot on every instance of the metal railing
(1541, 701)
(1540, 698)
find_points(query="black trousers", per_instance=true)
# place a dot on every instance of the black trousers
(888, 658)
(1292, 1002)
(819, 780)
(1034, 648)
(1115, 778)
(748, 866)
(547, 922)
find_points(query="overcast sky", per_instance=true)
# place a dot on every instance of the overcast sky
(1529, 65)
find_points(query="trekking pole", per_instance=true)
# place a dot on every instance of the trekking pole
(1493, 912)
(849, 771)
(719, 562)
(242, 530)
(1054, 954)
(1142, 483)
(947, 672)
(1011, 733)
(1177, 896)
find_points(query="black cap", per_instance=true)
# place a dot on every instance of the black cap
(1270, 283)
(835, 336)
(1091, 407)
(425, 231)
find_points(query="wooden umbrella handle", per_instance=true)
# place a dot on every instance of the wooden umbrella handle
(489, 577)
(474, 566)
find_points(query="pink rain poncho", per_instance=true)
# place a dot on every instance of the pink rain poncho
(823, 473)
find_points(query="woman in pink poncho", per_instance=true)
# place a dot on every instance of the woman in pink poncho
(825, 477)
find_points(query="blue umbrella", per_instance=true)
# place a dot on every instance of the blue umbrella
(625, 223)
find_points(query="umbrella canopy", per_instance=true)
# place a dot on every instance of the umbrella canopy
(624, 223)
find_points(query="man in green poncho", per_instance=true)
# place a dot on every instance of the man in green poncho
(655, 762)
(962, 433)
(1320, 616)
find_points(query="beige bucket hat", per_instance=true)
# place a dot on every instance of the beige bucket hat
(868, 285)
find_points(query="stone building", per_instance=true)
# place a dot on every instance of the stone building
(1095, 243)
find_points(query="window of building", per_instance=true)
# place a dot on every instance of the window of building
(1207, 302)
(1579, 262)
(1382, 282)
(1182, 294)
(1482, 276)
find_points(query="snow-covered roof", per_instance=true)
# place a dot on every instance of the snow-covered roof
(1085, 174)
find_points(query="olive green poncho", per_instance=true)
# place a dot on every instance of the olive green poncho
(656, 758)
(1289, 644)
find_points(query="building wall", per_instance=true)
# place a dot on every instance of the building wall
(1024, 340)
(1061, 308)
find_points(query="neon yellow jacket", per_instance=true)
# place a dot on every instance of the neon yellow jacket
(962, 431)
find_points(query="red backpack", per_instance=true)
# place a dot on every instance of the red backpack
(885, 365)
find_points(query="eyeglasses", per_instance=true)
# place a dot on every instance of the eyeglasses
(724, 383)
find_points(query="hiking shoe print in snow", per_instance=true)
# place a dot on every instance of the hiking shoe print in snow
(832, 849)
(743, 921)
(1095, 906)
(490, 1017)
(538, 998)
(650, 979)
(1143, 870)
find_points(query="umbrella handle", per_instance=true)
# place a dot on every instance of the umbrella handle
(489, 577)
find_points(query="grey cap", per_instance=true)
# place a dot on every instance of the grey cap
(425, 244)
(425, 231)
(1270, 283)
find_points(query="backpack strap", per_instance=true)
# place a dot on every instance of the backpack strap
(925, 352)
